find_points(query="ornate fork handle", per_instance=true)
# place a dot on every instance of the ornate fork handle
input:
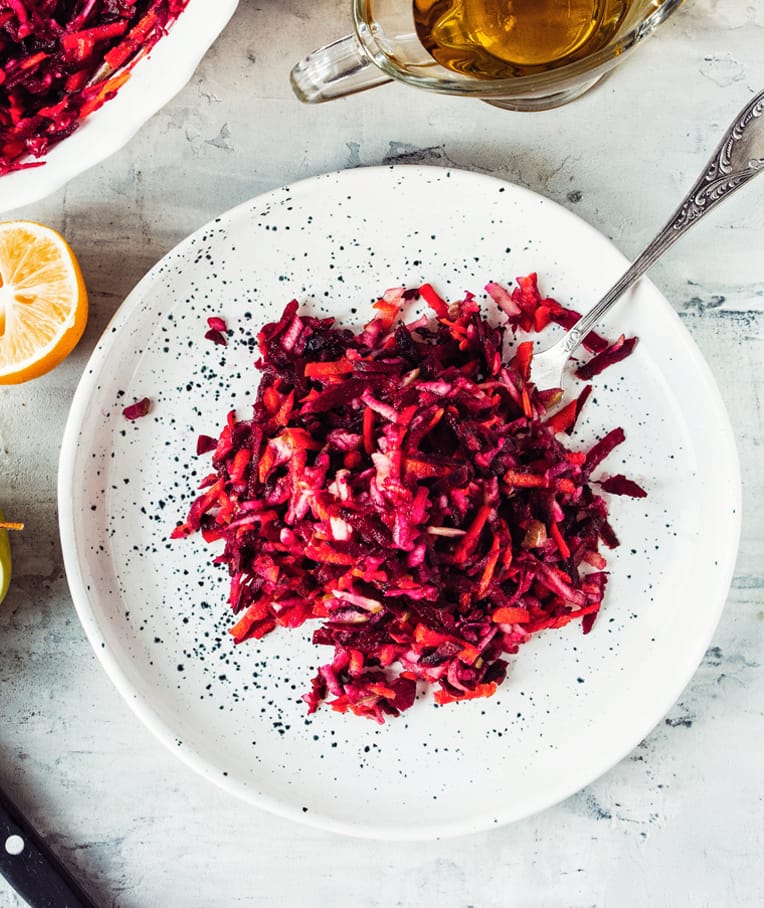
(737, 159)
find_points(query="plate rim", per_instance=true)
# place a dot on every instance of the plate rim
(142, 707)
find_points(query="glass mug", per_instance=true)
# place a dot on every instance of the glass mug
(518, 54)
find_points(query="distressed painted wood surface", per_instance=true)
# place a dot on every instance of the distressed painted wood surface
(680, 822)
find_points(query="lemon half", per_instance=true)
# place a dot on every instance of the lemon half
(43, 300)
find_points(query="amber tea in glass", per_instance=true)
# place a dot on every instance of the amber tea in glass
(495, 39)
(516, 54)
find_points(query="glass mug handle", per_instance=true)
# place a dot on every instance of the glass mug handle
(338, 69)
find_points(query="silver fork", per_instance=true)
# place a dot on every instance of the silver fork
(737, 159)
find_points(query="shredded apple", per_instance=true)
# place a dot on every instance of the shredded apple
(60, 61)
(409, 491)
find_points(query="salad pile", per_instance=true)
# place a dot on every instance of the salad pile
(62, 59)
(413, 494)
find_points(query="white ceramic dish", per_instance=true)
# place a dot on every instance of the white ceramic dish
(155, 80)
(155, 611)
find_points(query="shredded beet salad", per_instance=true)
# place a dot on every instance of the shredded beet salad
(62, 59)
(411, 493)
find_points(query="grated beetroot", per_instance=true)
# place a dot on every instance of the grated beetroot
(610, 354)
(408, 490)
(137, 410)
(217, 330)
(60, 61)
(621, 485)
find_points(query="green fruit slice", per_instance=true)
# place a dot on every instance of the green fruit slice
(5, 561)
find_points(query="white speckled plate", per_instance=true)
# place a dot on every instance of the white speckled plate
(154, 81)
(155, 611)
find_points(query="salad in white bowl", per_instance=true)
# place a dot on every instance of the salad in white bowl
(75, 88)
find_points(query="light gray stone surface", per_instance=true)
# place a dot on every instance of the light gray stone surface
(680, 822)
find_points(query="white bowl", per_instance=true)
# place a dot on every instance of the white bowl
(154, 81)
